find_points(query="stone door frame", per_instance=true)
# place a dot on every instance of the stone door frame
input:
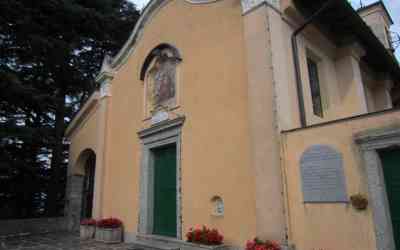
(370, 143)
(159, 135)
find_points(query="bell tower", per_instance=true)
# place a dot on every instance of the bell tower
(377, 17)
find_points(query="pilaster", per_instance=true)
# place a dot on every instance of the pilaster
(104, 104)
(352, 88)
(264, 135)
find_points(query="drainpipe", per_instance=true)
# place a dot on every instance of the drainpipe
(295, 50)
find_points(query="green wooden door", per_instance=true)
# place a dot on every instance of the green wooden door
(165, 196)
(391, 170)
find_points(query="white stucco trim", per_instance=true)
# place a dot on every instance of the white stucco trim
(201, 1)
(165, 133)
(248, 5)
(369, 143)
(111, 65)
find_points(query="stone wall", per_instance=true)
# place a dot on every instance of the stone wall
(44, 225)
(32, 226)
(74, 201)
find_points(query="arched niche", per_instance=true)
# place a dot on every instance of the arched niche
(156, 52)
(217, 206)
(160, 75)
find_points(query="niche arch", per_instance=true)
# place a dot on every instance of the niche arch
(156, 52)
(160, 75)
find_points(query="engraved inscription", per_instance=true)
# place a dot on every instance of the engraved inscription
(322, 175)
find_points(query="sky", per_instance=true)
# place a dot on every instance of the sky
(392, 5)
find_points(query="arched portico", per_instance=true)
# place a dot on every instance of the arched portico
(81, 188)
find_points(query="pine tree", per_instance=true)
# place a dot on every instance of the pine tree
(51, 50)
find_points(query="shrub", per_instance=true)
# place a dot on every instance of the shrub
(88, 222)
(359, 201)
(257, 244)
(205, 236)
(109, 223)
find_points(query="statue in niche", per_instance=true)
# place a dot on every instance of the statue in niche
(162, 81)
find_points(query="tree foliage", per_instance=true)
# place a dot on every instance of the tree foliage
(51, 51)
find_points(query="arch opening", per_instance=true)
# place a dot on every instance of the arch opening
(81, 188)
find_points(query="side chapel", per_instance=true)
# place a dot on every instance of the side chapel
(263, 118)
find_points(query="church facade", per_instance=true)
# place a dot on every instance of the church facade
(264, 118)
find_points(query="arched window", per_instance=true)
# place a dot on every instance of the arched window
(159, 73)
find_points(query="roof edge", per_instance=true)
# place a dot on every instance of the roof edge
(148, 13)
(380, 2)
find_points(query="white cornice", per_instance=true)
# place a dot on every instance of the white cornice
(111, 65)
(151, 9)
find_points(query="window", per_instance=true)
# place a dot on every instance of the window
(315, 87)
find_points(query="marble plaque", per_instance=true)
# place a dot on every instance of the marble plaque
(322, 175)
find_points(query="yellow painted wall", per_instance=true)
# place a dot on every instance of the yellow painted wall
(212, 96)
(331, 226)
(83, 138)
(339, 75)
(230, 143)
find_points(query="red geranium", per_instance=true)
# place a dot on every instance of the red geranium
(109, 223)
(204, 236)
(257, 244)
(88, 222)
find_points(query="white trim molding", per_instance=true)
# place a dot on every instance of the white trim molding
(164, 133)
(201, 1)
(105, 90)
(248, 5)
(369, 143)
(111, 65)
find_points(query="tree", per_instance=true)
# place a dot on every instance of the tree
(51, 50)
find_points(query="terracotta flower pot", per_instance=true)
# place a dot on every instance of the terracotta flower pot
(87, 232)
(108, 235)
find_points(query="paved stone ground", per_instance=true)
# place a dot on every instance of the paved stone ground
(56, 241)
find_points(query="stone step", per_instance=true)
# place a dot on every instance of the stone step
(144, 242)
(152, 242)
(141, 245)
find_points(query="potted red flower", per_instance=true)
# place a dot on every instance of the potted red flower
(205, 236)
(87, 228)
(109, 230)
(258, 244)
